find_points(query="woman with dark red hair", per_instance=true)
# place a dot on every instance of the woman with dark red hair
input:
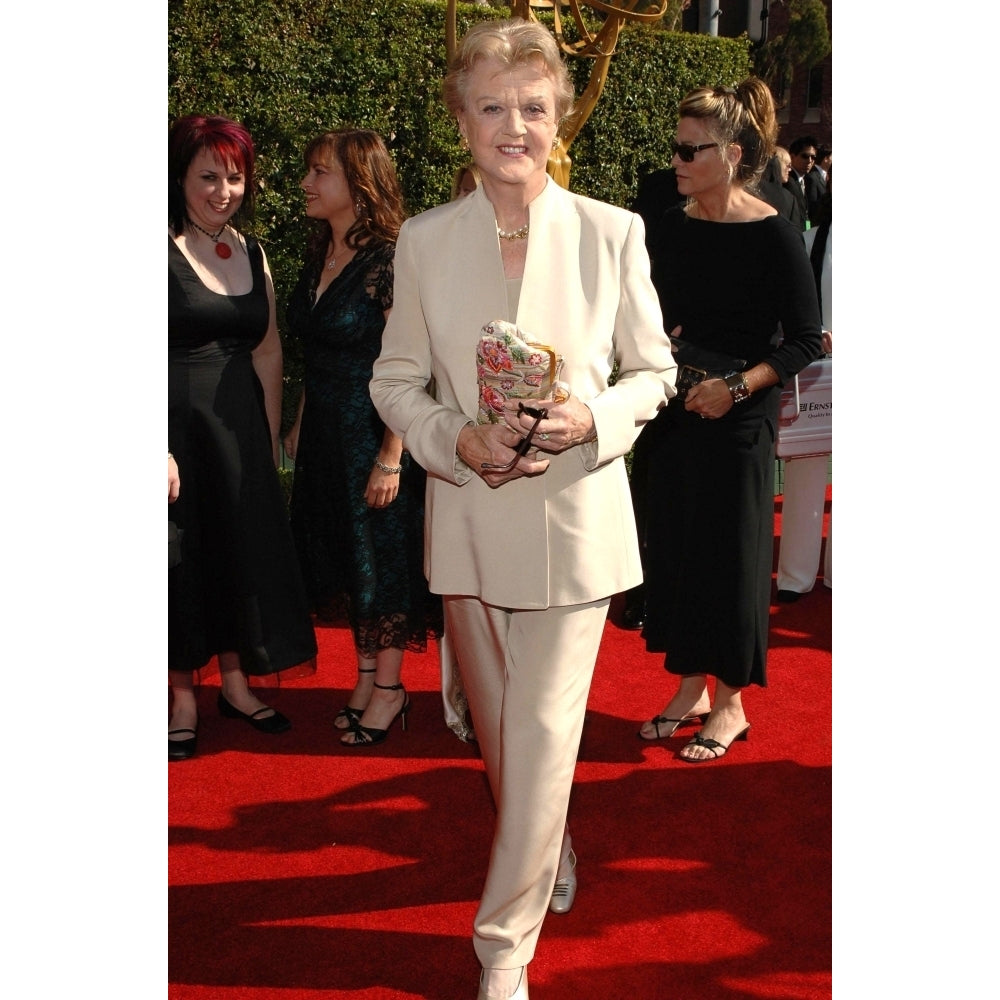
(235, 589)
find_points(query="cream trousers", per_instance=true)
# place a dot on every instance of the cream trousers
(527, 676)
(802, 526)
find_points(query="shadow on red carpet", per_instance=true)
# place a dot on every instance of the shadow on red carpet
(300, 869)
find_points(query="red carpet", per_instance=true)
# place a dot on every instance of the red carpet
(299, 869)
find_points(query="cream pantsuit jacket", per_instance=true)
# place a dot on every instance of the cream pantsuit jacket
(567, 536)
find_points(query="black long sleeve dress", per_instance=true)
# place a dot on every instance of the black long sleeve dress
(745, 290)
(364, 562)
(237, 585)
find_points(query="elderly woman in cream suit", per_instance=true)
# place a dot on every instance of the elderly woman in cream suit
(526, 558)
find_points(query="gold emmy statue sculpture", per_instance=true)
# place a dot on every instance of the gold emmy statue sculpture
(599, 46)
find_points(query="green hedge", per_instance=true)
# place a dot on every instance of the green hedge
(290, 69)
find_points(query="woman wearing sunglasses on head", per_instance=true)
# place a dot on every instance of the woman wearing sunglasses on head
(735, 278)
(527, 549)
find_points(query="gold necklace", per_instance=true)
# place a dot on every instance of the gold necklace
(518, 234)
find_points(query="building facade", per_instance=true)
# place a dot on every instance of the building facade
(806, 106)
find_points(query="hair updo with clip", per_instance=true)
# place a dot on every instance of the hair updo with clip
(743, 115)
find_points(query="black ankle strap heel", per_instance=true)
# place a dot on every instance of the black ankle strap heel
(352, 716)
(364, 736)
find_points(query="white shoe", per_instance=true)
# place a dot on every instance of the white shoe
(564, 891)
(521, 993)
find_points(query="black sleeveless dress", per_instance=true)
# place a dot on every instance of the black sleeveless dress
(237, 585)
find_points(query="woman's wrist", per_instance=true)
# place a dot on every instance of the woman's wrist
(738, 387)
(389, 470)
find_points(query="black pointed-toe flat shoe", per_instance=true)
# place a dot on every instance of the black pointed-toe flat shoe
(276, 723)
(182, 749)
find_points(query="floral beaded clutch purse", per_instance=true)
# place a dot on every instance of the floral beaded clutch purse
(511, 366)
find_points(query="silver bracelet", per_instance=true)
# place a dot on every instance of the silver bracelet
(738, 387)
(389, 470)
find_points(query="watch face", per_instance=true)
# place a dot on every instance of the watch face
(738, 388)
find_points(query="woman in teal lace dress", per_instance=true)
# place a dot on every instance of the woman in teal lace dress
(357, 504)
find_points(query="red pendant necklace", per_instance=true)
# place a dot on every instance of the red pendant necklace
(222, 249)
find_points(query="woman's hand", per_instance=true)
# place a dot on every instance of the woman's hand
(382, 488)
(173, 479)
(383, 480)
(710, 399)
(494, 444)
(565, 425)
(291, 441)
(713, 398)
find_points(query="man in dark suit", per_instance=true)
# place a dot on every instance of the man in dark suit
(815, 193)
(803, 154)
(772, 190)
(824, 159)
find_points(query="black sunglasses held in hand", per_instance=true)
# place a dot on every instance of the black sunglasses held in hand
(525, 443)
(686, 151)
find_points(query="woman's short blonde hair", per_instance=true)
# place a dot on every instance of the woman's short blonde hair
(512, 42)
(743, 115)
(456, 181)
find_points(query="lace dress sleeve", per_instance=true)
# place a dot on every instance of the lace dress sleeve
(380, 276)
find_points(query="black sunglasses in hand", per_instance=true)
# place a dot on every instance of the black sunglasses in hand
(525, 443)
(686, 151)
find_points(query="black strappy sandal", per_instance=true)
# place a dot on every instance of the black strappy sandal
(367, 737)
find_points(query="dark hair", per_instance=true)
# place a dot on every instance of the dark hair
(372, 181)
(801, 143)
(743, 116)
(231, 144)
(823, 151)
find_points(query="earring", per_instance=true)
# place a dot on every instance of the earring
(359, 207)
(555, 141)
(464, 141)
